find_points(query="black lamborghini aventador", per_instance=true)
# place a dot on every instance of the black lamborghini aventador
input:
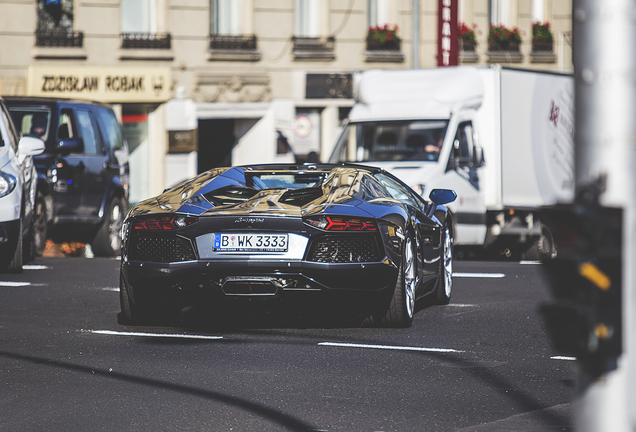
(273, 231)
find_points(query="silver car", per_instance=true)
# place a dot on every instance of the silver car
(18, 180)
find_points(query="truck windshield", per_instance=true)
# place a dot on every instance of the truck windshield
(413, 140)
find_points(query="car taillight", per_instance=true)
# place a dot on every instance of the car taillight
(163, 222)
(340, 223)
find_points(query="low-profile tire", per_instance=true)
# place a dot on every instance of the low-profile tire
(107, 242)
(402, 306)
(144, 310)
(14, 262)
(39, 230)
(129, 312)
(136, 312)
(445, 279)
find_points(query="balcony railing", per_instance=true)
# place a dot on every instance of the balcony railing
(59, 38)
(314, 44)
(225, 42)
(313, 47)
(146, 40)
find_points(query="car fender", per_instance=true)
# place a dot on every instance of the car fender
(114, 190)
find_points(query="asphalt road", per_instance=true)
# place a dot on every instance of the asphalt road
(483, 363)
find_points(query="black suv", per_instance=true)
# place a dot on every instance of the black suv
(82, 191)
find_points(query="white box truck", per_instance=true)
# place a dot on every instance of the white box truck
(501, 138)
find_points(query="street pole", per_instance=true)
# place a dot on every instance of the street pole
(604, 55)
(416, 34)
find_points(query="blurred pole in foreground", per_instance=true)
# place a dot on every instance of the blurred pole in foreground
(416, 34)
(604, 54)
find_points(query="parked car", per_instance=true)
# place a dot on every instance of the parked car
(17, 193)
(272, 231)
(82, 190)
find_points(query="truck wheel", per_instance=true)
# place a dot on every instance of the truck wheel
(107, 242)
(402, 305)
(544, 248)
(445, 279)
(40, 226)
(15, 265)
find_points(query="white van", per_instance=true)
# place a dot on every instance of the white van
(501, 138)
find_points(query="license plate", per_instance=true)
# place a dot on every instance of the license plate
(234, 242)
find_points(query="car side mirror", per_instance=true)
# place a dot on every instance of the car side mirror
(442, 196)
(70, 145)
(29, 146)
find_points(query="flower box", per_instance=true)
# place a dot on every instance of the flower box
(542, 45)
(388, 45)
(469, 46)
(503, 46)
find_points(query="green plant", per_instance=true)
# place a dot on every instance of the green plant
(382, 35)
(468, 34)
(502, 35)
(542, 32)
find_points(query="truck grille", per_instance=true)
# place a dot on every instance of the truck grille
(345, 249)
(159, 248)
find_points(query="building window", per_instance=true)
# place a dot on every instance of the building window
(307, 43)
(307, 18)
(226, 17)
(55, 24)
(500, 12)
(138, 16)
(228, 40)
(537, 11)
(378, 13)
(139, 25)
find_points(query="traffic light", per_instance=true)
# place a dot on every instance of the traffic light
(584, 317)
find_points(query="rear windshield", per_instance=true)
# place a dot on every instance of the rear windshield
(286, 180)
(33, 122)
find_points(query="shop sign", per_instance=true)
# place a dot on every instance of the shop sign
(183, 141)
(447, 33)
(101, 84)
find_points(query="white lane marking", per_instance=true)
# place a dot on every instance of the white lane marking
(34, 267)
(563, 358)
(459, 305)
(115, 289)
(157, 335)
(389, 347)
(530, 262)
(14, 284)
(479, 275)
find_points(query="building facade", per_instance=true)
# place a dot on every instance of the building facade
(205, 83)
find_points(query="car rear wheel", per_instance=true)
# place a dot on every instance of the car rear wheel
(132, 312)
(402, 306)
(139, 309)
(107, 241)
(445, 280)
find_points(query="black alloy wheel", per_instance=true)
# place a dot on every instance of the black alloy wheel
(402, 306)
(445, 279)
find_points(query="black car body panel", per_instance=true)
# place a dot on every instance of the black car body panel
(85, 164)
(358, 250)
